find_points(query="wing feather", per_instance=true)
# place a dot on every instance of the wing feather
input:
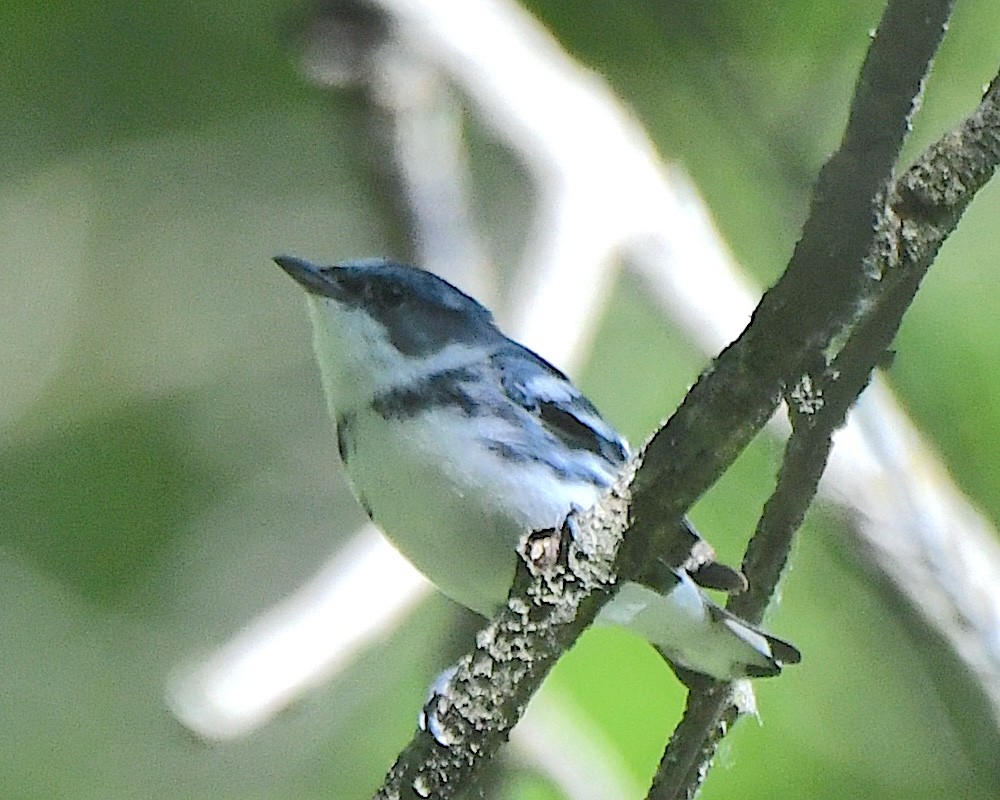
(561, 408)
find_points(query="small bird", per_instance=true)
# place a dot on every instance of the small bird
(457, 440)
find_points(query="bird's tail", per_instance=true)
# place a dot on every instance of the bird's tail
(774, 652)
(698, 637)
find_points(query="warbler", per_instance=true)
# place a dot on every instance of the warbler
(457, 440)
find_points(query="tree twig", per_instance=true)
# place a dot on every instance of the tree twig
(944, 179)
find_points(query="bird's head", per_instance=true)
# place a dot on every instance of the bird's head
(378, 323)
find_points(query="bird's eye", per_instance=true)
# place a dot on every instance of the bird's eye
(388, 295)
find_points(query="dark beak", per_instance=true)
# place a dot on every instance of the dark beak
(309, 276)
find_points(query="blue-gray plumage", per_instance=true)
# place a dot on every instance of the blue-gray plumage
(457, 440)
(419, 315)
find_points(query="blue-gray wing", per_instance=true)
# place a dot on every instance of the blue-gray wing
(560, 407)
(571, 419)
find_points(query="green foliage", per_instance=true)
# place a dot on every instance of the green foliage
(167, 469)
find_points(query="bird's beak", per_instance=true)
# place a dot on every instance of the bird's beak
(311, 277)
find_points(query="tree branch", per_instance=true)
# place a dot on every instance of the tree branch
(829, 262)
(925, 206)
(818, 412)
(821, 293)
(797, 320)
(562, 579)
(913, 526)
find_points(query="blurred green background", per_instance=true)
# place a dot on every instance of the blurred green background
(167, 468)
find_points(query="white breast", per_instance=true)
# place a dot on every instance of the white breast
(452, 507)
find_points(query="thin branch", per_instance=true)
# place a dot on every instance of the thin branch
(944, 180)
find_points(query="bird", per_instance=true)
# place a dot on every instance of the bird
(457, 441)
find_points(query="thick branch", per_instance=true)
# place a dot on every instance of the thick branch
(562, 579)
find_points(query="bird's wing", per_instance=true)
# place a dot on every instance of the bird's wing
(541, 389)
